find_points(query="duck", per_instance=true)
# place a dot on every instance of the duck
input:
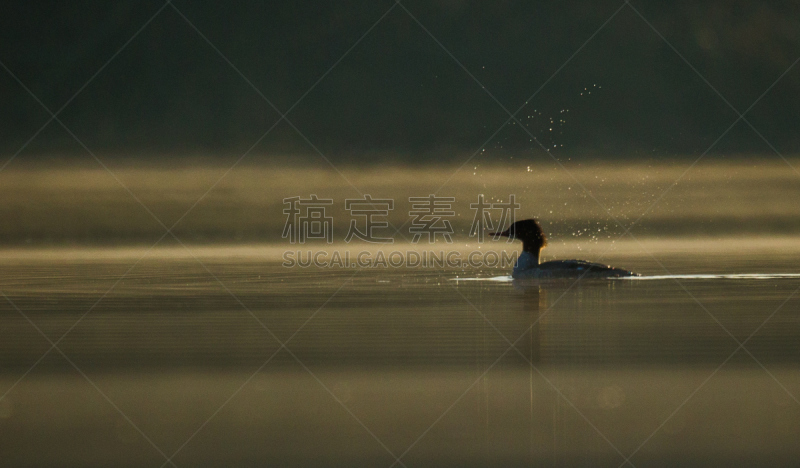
(530, 232)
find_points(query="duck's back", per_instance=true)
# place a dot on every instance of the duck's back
(571, 269)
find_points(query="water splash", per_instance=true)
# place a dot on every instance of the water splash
(499, 279)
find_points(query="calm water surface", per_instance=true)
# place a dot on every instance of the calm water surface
(234, 362)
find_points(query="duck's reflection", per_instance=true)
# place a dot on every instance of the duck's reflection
(532, 302)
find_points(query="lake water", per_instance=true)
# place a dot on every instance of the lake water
(222, 357)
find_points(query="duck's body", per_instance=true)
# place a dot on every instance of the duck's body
(565, 269)
(534, 240)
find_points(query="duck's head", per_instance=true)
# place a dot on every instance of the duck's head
(529, 232)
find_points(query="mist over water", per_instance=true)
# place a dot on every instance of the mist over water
(80, 203)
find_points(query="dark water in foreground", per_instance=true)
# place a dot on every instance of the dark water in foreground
(245, 363)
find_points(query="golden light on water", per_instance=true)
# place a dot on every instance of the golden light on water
(511, 368)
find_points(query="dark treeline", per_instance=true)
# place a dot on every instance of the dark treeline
(626, 92)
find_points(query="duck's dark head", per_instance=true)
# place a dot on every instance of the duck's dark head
(529, 232)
